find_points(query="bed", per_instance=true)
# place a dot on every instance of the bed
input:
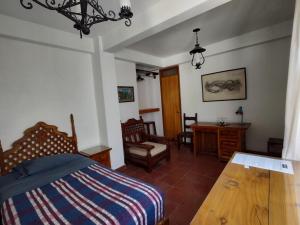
(44, 181)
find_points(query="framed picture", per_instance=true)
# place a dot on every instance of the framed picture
(224, 86)
(126, 94)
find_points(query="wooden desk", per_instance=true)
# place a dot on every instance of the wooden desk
(252, 197)
(222, 141)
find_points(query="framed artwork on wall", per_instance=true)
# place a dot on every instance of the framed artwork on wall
(126, 94)
(224, 85)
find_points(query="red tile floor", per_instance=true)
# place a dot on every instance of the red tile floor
(186, 180)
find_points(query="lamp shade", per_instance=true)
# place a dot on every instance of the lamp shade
(240, 111)
(197, 53)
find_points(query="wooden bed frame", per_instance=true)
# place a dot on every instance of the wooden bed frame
(38, 141)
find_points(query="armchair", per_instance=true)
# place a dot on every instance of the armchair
(141, 148)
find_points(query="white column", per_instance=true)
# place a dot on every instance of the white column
(107, 104)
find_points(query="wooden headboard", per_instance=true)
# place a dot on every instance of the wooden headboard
(38, 141)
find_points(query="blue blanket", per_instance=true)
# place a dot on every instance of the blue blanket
(11, 185)
(80, 192)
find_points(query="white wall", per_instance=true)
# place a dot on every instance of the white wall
(126, 76)
(46, 74)
(149, 97)
(267, 69)
(146, 94)
(44, 83)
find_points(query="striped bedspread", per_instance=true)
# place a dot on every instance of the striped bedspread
(93, 195)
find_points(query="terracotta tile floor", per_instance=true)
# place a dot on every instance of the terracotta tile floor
(186, 180)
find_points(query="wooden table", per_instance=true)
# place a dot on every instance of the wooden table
(99, 154)
(252, 197)
(222, 141)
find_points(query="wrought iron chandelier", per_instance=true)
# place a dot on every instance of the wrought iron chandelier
(198, 58)
(84, 13)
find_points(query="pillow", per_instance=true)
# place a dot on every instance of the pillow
(9, 178)
(20, 171)
(33, 166)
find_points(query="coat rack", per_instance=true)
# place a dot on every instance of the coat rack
(142, 74)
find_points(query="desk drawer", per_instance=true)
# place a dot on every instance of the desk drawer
(102, 158)
(228, 147)
(207, 130)
(227, 143)
(226, 153)
(229, 133)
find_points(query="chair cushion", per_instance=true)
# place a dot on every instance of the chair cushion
(158, 148)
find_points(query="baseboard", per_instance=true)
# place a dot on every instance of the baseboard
(122, 168)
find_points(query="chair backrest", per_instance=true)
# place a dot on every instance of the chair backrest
(133, 131)
(150, 127)
(188, 120)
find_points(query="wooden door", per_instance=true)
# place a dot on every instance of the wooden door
(171, 105)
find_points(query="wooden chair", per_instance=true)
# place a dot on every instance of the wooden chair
(148, 126)
(141, 148)
(187, 131)
(275, 146)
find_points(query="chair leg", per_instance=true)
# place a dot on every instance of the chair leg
(169, 155)
(149, 169)
(149, 163)
(178, 141)
(126, 160)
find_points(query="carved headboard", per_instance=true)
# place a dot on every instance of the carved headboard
(38, 141)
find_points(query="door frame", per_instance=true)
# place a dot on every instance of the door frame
(162, 105)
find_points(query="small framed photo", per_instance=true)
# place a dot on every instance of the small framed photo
(224, 86)
(126, 94)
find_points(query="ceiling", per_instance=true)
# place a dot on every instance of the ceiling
(141, 66)
(49, 18)
(227, 21)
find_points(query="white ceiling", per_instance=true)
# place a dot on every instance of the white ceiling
(229, 20)
(146, 67)
(52, 19)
